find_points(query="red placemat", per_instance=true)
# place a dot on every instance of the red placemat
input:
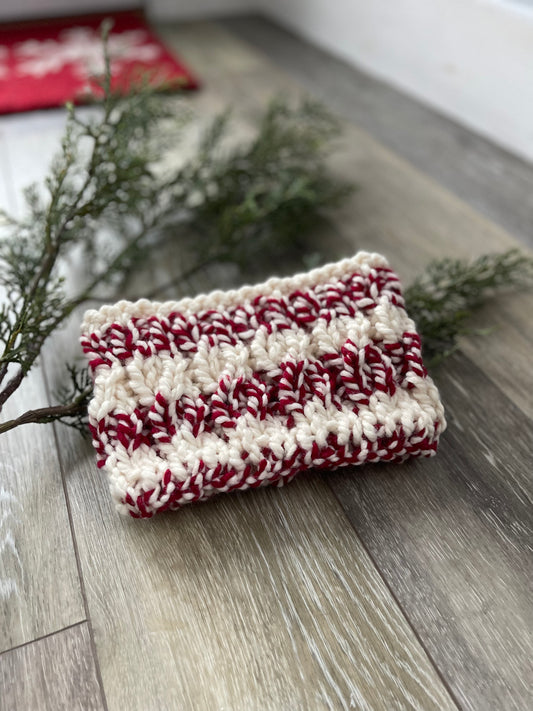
(44, 64)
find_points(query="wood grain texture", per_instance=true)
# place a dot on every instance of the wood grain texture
(56, 673)
(262, 600)
(494, 182)
(506, 354)
(454, 540)
(39, 584)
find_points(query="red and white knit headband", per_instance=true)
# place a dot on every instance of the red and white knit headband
(239, 389)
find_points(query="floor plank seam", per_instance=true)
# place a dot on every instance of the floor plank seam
(77, 554)
(44, 636)
(400, 607)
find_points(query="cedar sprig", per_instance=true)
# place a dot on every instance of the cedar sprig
(261, 198)
(106, 200)
(85, 190)
(443, 300)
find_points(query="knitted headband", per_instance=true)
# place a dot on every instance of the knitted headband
(239, 389)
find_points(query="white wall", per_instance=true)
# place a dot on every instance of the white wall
(471, 59)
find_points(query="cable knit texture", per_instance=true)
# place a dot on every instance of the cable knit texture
(238, 389)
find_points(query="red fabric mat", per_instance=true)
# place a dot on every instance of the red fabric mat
(44, 64)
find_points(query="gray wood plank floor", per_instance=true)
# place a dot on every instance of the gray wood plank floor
(39, 584)
(492, 180)
(264, 600)
(56, 672)
(383, 588)
(455, 541)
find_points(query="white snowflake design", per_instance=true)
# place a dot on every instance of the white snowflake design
(81, 49)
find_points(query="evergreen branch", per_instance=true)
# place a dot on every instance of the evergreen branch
(444, 298)
(220, 206)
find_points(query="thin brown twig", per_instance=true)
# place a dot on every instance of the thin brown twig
(44, 415)
(10, 388)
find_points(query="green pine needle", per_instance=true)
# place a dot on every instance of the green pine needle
(443, 300)
(105, 199)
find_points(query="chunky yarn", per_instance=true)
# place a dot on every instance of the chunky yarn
(238, 389)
